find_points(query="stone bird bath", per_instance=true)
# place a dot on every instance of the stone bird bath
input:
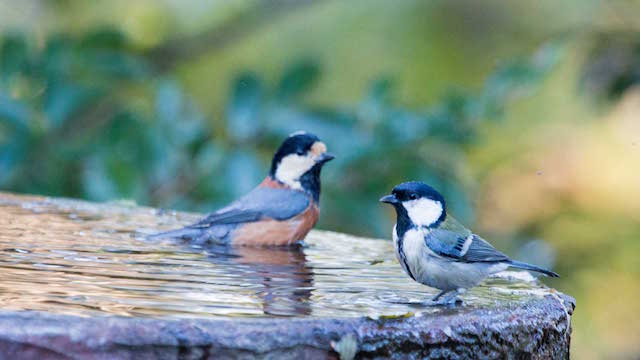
(79, 281)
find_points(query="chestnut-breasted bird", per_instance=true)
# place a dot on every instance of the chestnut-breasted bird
(279, 211)
(436, 250)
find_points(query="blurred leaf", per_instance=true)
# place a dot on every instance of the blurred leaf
(380, 91)
(453, 120)
(11, 154)
(56, 59)
(243, 172)
(297, 79)
(14, 57)
(169, 102)
(458, 200)
(64, 100)
(518, 77)
(98, 185)
(208, 158)
(613, 66)
(142, 137)
(104, 39)
(243, 110)
(180, 122)
(113, 63)
(375, 106)
(14, 112)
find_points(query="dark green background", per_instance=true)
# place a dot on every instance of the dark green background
(522, 114)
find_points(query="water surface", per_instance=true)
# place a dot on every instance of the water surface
(87, 259)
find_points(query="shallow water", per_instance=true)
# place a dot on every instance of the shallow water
(89, 259)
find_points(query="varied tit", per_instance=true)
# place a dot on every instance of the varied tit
(436, 250)
(279, 211)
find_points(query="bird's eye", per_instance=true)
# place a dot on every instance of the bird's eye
(300, 152)
(413, 196)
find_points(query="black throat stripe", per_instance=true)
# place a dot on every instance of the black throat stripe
(403, 258)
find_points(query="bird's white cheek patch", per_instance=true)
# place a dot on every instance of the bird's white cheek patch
(423, 212)
(293, 166)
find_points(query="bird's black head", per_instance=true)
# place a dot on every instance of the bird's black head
(417, 204)
(299, 160)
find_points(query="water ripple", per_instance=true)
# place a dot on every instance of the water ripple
(80, 258)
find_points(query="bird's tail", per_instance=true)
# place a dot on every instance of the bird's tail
(525, 266)
(184, 234)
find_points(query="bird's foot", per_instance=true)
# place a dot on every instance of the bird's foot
(448, 298)
(447, 301)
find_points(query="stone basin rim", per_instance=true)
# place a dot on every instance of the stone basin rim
(544, 321)
(536, 326)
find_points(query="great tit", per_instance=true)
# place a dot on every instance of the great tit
(434, 249)
(281, 210)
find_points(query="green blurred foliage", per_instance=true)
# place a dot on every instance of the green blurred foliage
(613, 65)
(86, 117)
(82, 117)
(180, 104)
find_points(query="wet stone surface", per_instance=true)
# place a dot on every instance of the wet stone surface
(79, 280)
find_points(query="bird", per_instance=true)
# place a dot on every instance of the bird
(436, 250)
(280, 211)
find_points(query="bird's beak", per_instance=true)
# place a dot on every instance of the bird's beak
(324, 157)
(389, 199)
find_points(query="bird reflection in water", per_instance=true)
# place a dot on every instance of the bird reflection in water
(282, 273)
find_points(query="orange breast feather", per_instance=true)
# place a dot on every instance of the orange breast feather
(271, 232)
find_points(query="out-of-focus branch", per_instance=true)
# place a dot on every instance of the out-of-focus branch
(262, 14)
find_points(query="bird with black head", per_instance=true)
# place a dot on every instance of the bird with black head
(281, 210)
(434, 249)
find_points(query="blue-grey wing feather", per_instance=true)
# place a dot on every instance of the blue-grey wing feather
(482, 251)
(278, 204)
(445, 243)
(452, 245)
(259, 204)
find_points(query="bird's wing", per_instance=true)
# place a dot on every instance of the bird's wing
(227, 217)
(261, 203)
(451, 239)
(481, 251)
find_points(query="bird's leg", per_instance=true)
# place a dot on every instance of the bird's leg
(439, 295)
(452, 298)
